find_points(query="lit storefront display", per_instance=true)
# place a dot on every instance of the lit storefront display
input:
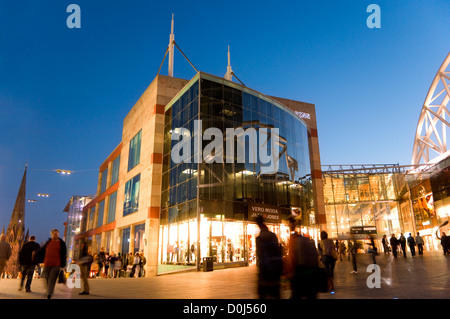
(208, 207)
(358, 199)
(400, 201)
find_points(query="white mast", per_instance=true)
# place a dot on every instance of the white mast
(229, 74)
(171, 49)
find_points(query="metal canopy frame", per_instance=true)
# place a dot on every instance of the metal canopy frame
(431, 132)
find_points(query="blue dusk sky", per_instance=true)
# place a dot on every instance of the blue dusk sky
(65, 92)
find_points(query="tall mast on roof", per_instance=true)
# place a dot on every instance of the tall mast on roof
(229, 74)
(171, 49)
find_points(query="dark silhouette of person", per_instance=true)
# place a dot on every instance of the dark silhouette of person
(269, 262)
(394, 245)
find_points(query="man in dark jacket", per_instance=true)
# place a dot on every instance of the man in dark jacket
(27, 264)
(412, 245)
(402, 241)
(269, 261)
(394, 245)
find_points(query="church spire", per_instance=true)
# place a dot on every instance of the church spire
(16, 229)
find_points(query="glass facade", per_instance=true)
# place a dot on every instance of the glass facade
(131, 199)
(115, 171)
(210, 198)
(359, 199)
(112, 207)
(134, 156)
(101, 211)
(103, 180)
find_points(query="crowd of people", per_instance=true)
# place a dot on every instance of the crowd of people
(310, 268)
(50, 260)
(110, 265)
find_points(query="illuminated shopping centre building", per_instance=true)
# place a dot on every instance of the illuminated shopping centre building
(178, 212)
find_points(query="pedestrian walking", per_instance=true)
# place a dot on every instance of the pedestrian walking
(5, 253)
(353, 250)
(136, 268)
(106, 264)
(444, 243)
(100, 261)
(402, 241)
(306, 275)
(142, 262)
(342, 250)
(412, 245)
(288, 261)
(373, 249)
(26, 262)
(269, 262)
(385, 244)
(112, 265)
(394, 245)
(53, 254)
(420, 243)
(85, 263)
(328, 256)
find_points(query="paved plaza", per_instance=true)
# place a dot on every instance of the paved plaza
(420, 277)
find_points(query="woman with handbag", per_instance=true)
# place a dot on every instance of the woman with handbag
(328, 254)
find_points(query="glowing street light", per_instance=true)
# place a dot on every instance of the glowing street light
(63, 171)
(43, 195)
(32, 201)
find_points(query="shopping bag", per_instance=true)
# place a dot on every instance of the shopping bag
(62, 277)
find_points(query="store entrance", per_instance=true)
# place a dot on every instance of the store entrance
(230, 243)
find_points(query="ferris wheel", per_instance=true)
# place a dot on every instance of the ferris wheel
(430, 141)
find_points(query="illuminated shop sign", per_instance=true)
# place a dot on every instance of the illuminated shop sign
(364, 230)
(270, 213)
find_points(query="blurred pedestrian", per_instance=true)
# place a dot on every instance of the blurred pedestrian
(384, 242)
(412, 245)
(444, 243)
(100, 261)
(394, 245)
(420, 243)
(142, 262)
(373, 249)
(402, 241)
(306, 278)
(85, 263)
(269, 262)
(5, 253)
(106, 264)
(53, 253)
(136, 267)
(328, 256)
(27, 264)
(342, 249)
(353, 250)
(112, 263)
(288, 261)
